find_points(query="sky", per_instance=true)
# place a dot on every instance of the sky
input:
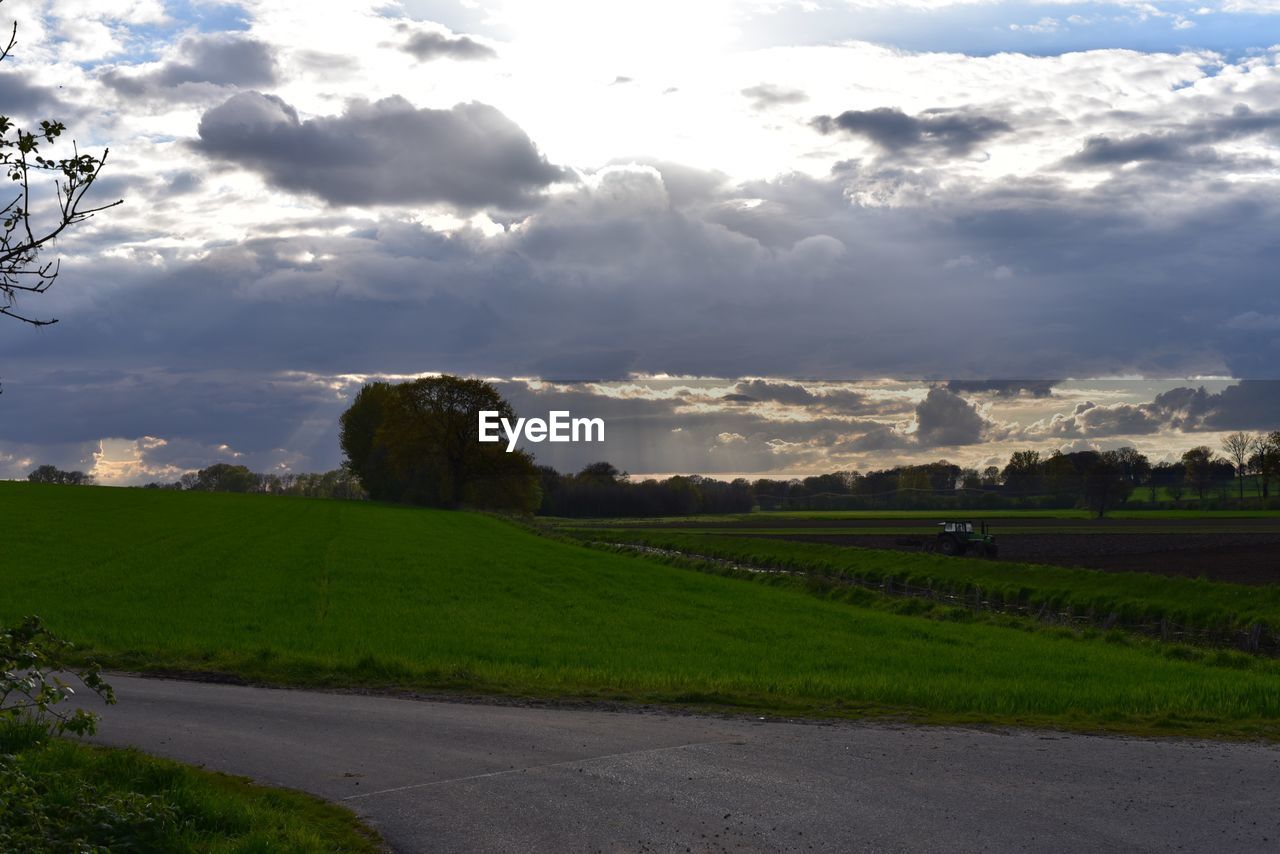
(757, 236)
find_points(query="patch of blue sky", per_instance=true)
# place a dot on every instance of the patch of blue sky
(1038, 29)
(145, 42)
(457, 16)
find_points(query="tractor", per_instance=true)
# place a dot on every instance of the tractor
(958, 538)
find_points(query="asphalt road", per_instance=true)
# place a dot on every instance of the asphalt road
(443, 776)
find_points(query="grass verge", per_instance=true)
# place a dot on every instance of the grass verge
(56, 795)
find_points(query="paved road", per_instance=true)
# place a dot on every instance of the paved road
(435, 776)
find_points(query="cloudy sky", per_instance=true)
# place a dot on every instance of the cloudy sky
(777, 236)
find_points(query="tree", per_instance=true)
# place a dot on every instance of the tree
(1106, 483)
(1022, 474)
(1266, 460)
(358, 436)
(224, 477)
(1134, 465)
(1198, 465)
(24, 233)
(53, 474)
(1169, 476)
(1060, 475)
(914, 479)
(418, 443)
(601, 472)
(1239, 446)
(1172, 476)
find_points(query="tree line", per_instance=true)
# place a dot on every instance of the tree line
(416, 443)
(601, 490)
(339, 483)
(1097, 480)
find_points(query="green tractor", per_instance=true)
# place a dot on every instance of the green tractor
(960, 538)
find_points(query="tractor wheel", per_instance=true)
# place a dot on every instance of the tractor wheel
(993, 551)
(949, 546)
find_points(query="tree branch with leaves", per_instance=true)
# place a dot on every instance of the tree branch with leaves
(25, 236)
(34, 666)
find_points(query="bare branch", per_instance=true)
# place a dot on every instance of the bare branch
(13, 40)
(8, 311)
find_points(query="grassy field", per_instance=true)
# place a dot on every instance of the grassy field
(852, 515)
(692, 527)
(1131, 596)
(62, 796)
(298, 591)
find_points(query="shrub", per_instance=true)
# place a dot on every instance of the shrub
(32, 661)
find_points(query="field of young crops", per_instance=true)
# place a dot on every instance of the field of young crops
(298, 591)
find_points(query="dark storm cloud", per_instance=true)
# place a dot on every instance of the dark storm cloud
(780, 392)
(1188, 143)
(386, 152)
(876, 437)
(614, 276)
(766, 95)
(824, 399)
(426, 45)
(19, 96)
(1005, 388)
(204, 64)
(590, 284)
(1105, 151)
(953, 132)
(1248, 405)
(252, 414)
(1119, 420)
(944, 418)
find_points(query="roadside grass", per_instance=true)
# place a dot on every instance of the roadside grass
(60, 795)
(1131, 596)
(329, 593)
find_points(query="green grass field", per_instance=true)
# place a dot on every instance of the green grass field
(1242, 526)
(62, 796)
(298, 591)
(839, 515)
(1132, 596)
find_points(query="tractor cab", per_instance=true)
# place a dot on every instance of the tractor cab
(958, 538)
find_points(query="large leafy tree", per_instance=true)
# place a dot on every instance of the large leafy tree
(1198, 463)
(1106, 482)
(27, 228)
(1023, 474)
(417, 443)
